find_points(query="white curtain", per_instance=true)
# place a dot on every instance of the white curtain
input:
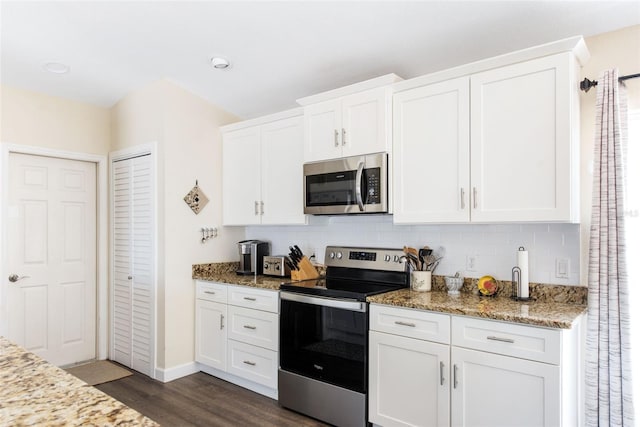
(608, 391)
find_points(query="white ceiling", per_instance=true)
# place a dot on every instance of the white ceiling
(280, 51)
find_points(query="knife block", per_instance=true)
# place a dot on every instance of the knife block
(306, 271)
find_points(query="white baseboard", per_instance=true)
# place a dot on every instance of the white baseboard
(166, 375)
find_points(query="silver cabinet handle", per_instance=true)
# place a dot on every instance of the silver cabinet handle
(249, 327)
(492, 338)
(461, 198)
(255, 207)
(344, 136)
(250, 363)
(411, 325)
(455, 376)
(261, 207)
(221, 321)
(441, 373)
(335, 138)
(14, 278)
(209, 292)
(475, 198)
(130, 277)
(250, 298)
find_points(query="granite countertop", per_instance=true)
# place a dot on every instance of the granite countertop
(225, 272)
(35, 392)
(539, 313)
(554, 306)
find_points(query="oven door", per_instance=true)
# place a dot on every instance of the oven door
(349, 185)
(324, 339)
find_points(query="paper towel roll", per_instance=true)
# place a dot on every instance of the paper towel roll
(523, 264)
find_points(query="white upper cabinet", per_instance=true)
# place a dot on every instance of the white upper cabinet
(495, 146)
(241, 176)
(282, 172)
(262, 173)
(431, 153)
(524, 145)
(349, 121)
(349, 126)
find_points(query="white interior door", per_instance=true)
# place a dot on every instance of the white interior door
(51, 300)
(133, 278)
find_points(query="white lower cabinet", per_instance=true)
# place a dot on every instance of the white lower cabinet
(495, 390)
(237, 335)
(409, 383)
(211, 334)
(433, 369)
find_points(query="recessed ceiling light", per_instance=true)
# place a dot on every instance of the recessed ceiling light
(219, 63)
(56, 67)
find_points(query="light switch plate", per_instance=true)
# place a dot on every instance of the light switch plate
(562, 268)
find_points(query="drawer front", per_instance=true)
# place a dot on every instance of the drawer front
(253, 327)
(253, 363)
(525, 342)
(211, 291)
(259, 299)
(410, 323)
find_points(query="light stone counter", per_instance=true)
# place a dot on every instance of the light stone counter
(538, 313)
(36, 393)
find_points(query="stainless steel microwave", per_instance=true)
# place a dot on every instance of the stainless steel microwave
(345, 186)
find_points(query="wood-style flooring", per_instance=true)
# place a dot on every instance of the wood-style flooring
(201, 400)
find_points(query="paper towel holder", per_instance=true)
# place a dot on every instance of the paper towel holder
(516, 277)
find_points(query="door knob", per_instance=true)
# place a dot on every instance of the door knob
(14, 278)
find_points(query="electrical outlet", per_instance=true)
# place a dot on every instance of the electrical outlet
(562, 268)
(472, 263)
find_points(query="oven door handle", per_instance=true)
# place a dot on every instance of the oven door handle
(359, 186)
(350, 305)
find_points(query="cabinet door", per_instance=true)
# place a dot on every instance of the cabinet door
(494, 390)
(241, 177)
(322, 131)
(282, 193)
(522, 164)
(366, 118)
(408, 380)
(211, 334)
(431, 153)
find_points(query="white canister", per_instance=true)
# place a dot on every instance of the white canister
(421, 281)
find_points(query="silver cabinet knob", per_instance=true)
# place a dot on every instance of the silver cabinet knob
(14, 278)
(129, 277)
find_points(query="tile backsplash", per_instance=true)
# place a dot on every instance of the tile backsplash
(472, 249)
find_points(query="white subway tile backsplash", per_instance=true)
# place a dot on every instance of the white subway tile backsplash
(493, 245)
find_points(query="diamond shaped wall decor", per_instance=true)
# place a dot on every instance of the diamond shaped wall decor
(196, 199)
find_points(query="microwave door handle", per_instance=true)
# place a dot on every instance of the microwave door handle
(359, 186)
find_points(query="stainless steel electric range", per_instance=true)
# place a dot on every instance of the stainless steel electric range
(324, 327)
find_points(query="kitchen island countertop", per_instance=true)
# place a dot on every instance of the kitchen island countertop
(34, 392)
(537, 313)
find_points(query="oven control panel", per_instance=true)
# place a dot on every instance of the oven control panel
(370, 258)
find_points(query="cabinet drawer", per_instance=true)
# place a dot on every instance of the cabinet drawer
(410, 323)
(526, 342)
(259, 299)
(211, 291)
(253, 327)
(253, 363)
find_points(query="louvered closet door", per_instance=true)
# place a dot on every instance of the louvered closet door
(133, 278)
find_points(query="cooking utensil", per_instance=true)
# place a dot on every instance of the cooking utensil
(423, 254)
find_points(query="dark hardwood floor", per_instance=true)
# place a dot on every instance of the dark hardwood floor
(201, 400)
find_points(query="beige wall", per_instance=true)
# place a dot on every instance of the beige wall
(30, 118)
(618, 49)
(185, 128)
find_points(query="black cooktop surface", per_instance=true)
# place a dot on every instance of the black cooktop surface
(340, 288)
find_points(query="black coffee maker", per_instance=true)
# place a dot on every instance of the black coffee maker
(252, 253)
